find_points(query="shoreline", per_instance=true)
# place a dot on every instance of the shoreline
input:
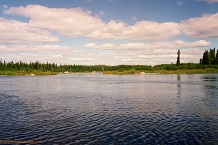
(181, 71)
(26, 73)
(123, 72)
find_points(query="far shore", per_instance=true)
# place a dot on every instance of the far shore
(26, 73)
(123, 72)
(182, 71)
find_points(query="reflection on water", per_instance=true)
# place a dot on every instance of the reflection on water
(110, 109)
(211, 91)
(178, 85)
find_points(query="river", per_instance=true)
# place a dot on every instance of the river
(110, 109)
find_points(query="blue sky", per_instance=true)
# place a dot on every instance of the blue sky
(108, 32)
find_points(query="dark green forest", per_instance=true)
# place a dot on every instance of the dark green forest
(210, 57)
(209, 60)
(71, 68)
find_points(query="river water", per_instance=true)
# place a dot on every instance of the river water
(110, 109)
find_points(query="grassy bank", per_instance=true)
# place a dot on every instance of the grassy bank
(119, 72)
(188, 71)
(182, 71)
(23, 72)
(123, 72)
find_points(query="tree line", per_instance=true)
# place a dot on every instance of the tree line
(16, 66)
(209, 60)
(210, 57)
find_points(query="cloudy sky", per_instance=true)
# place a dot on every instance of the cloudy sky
(107, 32)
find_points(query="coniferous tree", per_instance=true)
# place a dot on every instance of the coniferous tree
(212, 56)
(178, 58)
(1, 65)
(205, 60)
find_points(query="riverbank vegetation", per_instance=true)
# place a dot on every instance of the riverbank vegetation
(208, 64)
(37, 68)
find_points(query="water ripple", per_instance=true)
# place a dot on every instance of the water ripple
(103, 109)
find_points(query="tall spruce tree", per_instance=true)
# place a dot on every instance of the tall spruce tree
(212, 56)
(178, 58)
(205, 60)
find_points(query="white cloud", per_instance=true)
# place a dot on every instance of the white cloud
(199, 43)
(26, 39)
(76, 22)
(43, 53)
(209, 1)
(143, 30)
(127, 53)
(167, 45)
(201, 27)
(103, 46)
(73, 22)
(4, 6)
(92, 45)
(150, 30)
(152, 53)
(12, 31)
